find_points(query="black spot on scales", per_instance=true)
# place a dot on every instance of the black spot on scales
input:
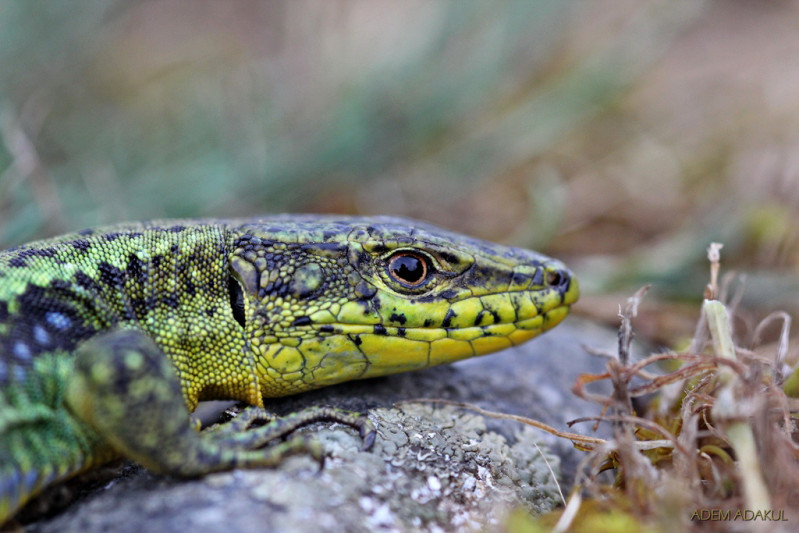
(401, 332)
(43, 252)
(519, 278)
(60, 285)
(172, 300)
(448, 318)
(17, 262)
(176, 229)
(363, 259)
(357, 340)
(111, 237)
(301, 321)
(380, 330)
(395, 317)
(110, 275)
(83, 281)
(3, 311)
(327, 328)
(189, 287)
(136, 269)
(138, 305)
(81, 245)
(284, 290)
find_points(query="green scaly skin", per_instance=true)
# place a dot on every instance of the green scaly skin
(110, 337)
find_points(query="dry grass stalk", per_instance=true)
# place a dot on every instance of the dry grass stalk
(728, 441)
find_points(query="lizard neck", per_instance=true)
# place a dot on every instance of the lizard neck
(169, 280)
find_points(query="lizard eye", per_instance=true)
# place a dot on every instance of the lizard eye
(408, 269)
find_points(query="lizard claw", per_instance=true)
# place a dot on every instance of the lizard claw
(368, 434)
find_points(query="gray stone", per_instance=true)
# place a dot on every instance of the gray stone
(433, 467)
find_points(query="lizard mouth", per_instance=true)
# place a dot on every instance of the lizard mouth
(516, 322)
(482, 339)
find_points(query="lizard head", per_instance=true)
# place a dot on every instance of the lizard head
(328, 300)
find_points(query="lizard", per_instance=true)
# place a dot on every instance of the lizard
(110, 337)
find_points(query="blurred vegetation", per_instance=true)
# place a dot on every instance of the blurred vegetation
(622, 137)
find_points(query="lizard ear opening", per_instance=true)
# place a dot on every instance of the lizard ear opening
(236, 299)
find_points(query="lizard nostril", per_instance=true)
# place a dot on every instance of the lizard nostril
(557, 278)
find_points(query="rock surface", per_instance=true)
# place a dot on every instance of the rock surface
(433, 467)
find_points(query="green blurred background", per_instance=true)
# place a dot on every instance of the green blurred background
(621, 136)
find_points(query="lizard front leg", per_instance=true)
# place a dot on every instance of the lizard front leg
(127, 390)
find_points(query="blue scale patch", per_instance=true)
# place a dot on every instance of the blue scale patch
(22, 351)
(41, 335)
(58, 320)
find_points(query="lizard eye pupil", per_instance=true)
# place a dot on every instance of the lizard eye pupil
(408, 269)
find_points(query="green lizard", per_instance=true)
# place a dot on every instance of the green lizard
(110, 337)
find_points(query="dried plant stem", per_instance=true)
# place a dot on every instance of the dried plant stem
(719, 323)
(570, 512)
(738, 431)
